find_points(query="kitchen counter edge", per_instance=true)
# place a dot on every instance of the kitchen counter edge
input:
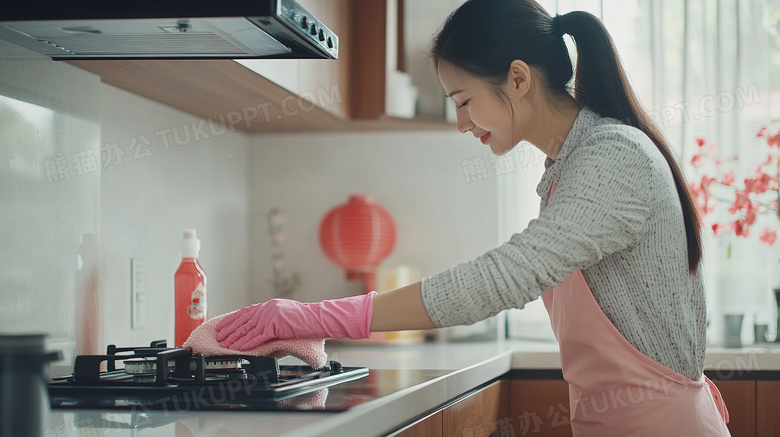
(474, 364)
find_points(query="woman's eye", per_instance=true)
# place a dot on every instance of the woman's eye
(463, 104)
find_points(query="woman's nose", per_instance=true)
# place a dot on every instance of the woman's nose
(463, 122)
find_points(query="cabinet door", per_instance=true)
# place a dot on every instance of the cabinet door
(767, 405)
(540, 407)
(427, 427)
(483, 413)
(740, 398)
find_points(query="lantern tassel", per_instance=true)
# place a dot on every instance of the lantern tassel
(368, 278)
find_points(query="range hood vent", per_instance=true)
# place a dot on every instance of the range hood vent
(146, 29)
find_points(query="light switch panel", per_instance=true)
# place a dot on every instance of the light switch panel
(138, 294)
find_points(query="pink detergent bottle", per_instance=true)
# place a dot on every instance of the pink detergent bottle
(190, 283)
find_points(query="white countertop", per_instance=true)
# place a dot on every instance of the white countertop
(467, 366)
(527, 354)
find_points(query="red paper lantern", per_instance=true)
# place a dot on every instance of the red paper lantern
(358, 236)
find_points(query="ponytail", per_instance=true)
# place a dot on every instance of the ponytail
(536, 38)
(601, 84)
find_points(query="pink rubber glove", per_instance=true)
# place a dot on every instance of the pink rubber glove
(348, 317)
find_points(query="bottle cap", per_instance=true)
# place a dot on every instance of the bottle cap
(190, 245)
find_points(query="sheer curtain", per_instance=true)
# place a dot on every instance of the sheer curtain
(703, 69)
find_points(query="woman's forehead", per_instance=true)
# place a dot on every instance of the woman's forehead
(452, 78)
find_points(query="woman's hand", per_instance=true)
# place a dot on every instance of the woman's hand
(348, 317)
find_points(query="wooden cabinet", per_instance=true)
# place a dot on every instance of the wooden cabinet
(754, 406)
(480, 413)
(540, 407)
(302, 95)
(740, 399)
(767, 408)
(429, 426)
(483, 413)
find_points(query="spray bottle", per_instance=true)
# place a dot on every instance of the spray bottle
(190, 284)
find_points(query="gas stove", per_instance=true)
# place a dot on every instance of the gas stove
(162, 378)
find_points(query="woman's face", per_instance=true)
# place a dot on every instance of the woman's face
(480, 111)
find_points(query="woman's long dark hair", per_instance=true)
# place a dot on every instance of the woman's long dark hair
(483, 37)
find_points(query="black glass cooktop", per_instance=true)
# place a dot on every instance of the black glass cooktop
(377, 383)
(175, 379)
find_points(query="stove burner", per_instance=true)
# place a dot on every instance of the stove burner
(159, 377)
(219, 364)
(140, 366)
(148, 365)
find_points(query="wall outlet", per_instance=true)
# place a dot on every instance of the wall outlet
(138, 290)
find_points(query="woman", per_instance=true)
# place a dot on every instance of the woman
(614, 253)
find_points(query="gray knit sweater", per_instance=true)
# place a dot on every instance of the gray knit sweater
(616, 216)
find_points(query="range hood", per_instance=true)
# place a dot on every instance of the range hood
(167, 29)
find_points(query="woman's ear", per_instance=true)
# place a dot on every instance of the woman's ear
(519, 78)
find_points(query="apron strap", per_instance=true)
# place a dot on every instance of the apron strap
(724, 412)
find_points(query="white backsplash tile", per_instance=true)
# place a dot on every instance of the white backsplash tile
(50, 194)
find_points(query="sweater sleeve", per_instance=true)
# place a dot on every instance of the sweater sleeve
(600, 207)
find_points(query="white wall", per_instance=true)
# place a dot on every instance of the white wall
(68, 233)
(441, 219)
(153, 195)
(48, 114)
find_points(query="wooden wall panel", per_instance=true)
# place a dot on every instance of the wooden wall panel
(368, 62)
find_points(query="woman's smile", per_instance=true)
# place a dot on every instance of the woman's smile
(481, 110)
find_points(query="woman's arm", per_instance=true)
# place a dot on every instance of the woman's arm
(347, 317)
(400, 309)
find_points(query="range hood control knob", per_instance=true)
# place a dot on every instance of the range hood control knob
(322, 35)
(313, 29)
(330, 43)
(305, 22)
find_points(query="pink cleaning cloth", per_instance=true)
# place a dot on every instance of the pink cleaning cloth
(312, 351)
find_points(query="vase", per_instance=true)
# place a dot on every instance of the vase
(760, 332)
(733, 331)
(777, 314)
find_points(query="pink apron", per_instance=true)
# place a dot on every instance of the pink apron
(615, 390)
